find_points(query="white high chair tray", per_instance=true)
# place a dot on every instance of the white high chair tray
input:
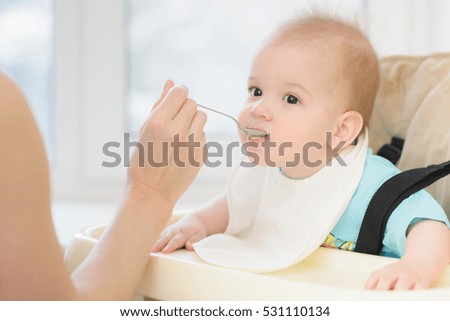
(328, 274)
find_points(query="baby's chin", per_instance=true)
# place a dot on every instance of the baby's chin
(257, 156)
(261, 151)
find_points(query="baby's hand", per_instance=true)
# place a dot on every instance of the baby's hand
(402, 275)
(185, 232)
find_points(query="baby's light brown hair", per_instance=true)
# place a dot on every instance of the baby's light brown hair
(358, 62)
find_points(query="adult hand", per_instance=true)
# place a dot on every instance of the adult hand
(150, 196)
(161, 168)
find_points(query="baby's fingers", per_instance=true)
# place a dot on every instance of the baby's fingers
(405, 283)
(161, 242)
(372, 280)
(193, 239)
(381, 280)
(386, 282)
(419, 286)
(175, 243)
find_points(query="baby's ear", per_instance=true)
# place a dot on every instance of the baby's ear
(348, 127)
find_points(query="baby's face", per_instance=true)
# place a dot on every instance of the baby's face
(292, 95)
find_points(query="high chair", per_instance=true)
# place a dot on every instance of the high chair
(413, 105)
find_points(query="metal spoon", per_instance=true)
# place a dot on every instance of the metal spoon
(247, 131)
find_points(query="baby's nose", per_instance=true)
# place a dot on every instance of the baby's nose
(261, 111)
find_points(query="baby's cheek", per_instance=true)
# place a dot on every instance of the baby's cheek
(242, 137)
(243, 116)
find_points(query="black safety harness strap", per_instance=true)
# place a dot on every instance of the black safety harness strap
(388, 197)
(392, 151)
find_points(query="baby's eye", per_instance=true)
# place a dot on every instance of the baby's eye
(255, 91)
(290, 99)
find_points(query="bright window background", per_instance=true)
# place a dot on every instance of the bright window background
(409, 27)
(26, 56)
(91, 69)
(206, 45)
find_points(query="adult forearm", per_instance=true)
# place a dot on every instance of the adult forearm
(116, 264)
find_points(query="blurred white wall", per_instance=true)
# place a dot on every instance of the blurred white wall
(411, 27)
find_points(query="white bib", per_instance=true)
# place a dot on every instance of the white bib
(275, 221)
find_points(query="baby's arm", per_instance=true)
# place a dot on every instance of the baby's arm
(207, 220)
(427, 255)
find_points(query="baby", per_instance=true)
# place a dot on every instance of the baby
(317, 75)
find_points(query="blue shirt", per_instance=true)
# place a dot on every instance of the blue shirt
(418, 206)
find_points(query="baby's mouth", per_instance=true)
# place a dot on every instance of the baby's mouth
(258, 139)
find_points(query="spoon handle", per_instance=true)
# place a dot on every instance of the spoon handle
(219, 112)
